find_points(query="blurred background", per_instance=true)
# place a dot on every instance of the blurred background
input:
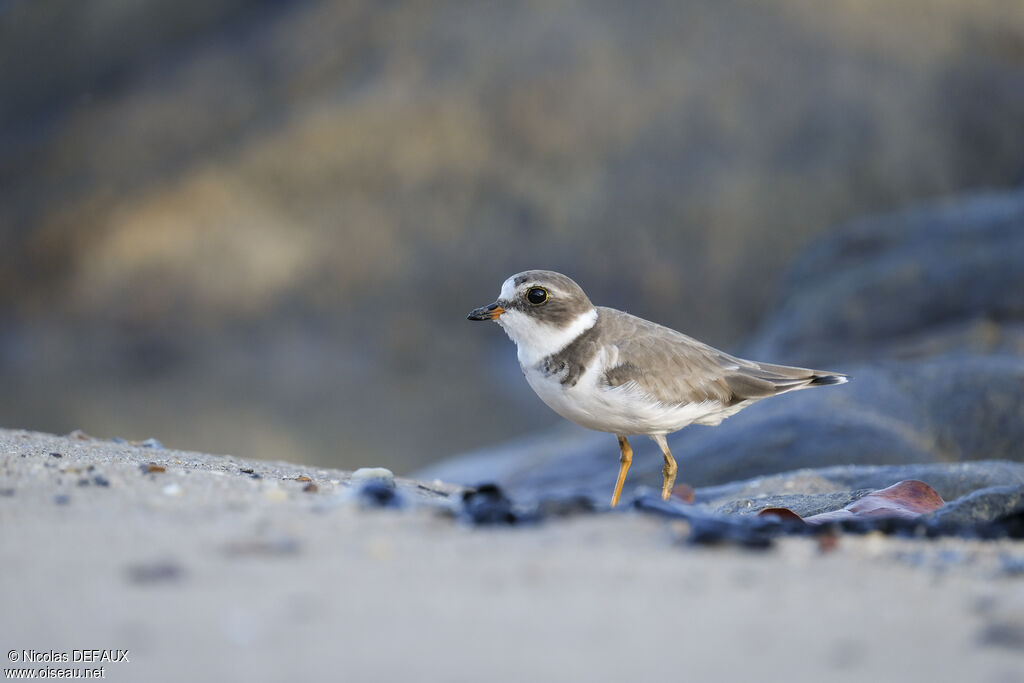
(255, 227)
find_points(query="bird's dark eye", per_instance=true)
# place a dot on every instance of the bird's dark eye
(537, 295)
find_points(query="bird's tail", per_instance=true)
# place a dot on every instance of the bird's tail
(824, 379)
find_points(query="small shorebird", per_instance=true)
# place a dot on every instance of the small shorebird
(613, 372)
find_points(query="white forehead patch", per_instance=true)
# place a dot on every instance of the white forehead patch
(508, 289)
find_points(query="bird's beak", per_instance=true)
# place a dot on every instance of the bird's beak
(489, 312)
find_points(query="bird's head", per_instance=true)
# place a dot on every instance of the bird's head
(541, 311)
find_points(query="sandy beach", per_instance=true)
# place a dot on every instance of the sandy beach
(221, 568)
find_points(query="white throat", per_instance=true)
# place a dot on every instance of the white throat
(536, 340)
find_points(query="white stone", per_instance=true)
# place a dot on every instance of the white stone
(378, 474)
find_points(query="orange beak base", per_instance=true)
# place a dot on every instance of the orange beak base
(489, 312)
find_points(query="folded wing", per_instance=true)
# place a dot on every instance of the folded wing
(677, 369)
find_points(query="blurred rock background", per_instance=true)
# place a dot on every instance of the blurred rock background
(256, 226)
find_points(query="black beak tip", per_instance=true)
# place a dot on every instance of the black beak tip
(483, 313)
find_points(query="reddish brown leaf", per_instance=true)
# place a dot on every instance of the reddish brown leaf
(683, 492)
(905, 500)
(784, 514)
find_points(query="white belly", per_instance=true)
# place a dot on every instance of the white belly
(621, 410)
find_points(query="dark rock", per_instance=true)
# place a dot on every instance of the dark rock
(988, 504)
(867, 289)
(974, 404)
(952, 481)
(376, 494)
(100, 480)
(804, 505)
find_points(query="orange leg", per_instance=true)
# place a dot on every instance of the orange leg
(670, 469)
(624, 462)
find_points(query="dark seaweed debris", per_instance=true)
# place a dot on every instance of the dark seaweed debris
(377, 494)
(711, 529)
(759, 532)
(488, 505)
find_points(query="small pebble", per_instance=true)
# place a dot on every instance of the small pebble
(151, 443)
(57, 455)
(380, 475)
(151, 468)
(100, 480)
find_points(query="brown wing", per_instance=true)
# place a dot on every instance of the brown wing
(678, 369)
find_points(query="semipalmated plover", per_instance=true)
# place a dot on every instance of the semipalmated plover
(613, 372)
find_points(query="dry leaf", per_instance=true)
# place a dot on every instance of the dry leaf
(906, 500)
(683, 492)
